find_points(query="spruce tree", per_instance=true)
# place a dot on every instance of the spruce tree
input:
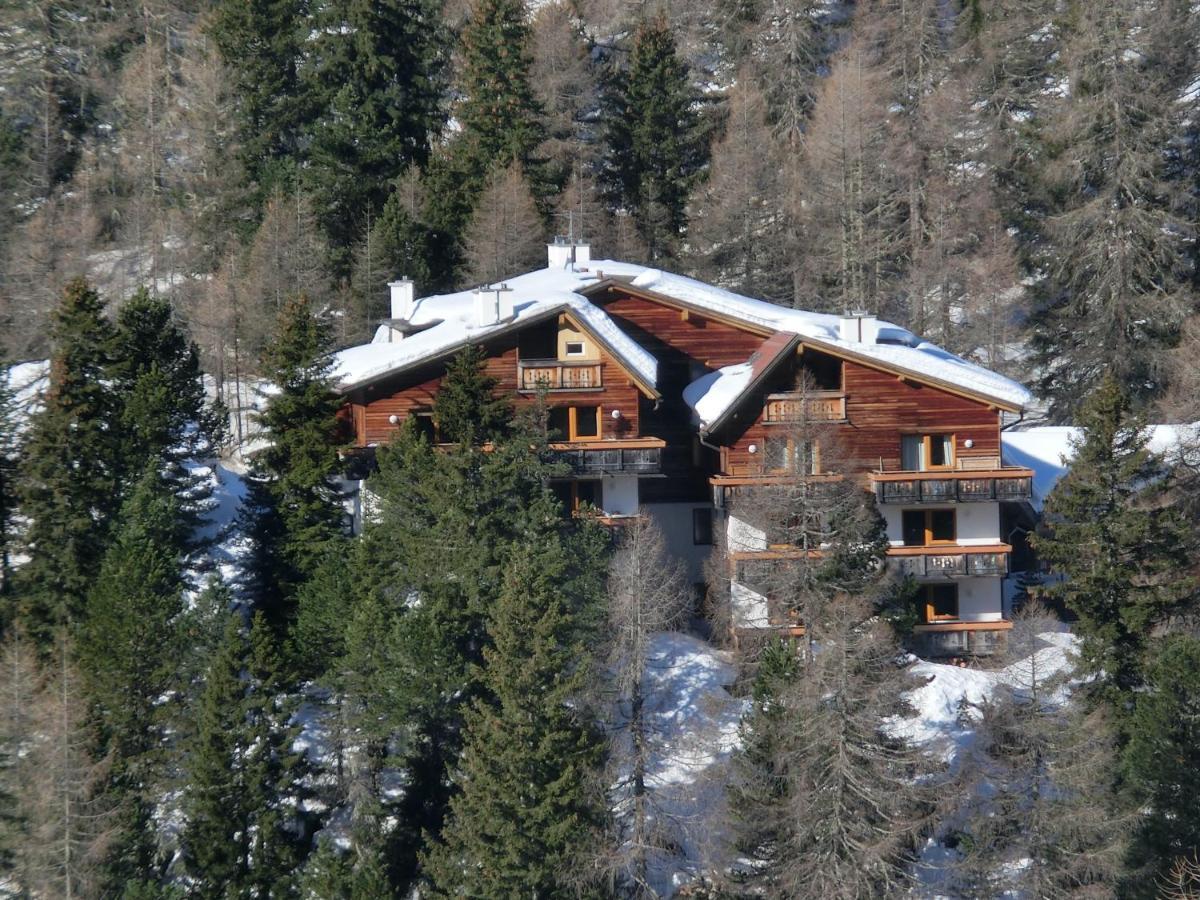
(466, 408)
(216, 839)
(9, 451)
(397, 244)
(128, 652)
(499, 114)
(529, 754)
(68, 485)
(1123, 554)
(1162, 759)
(242, 795)
(654, 147)
(295, 507)
(262, 41)
(1112, 246)
(376, 78)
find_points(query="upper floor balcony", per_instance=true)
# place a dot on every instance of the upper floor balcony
(635, 456)
(974, 480)
(807, 406)
(558, 375)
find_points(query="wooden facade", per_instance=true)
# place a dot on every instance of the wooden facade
(861, 411)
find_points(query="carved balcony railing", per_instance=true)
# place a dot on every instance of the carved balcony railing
(556, 375)
(812, 406)
(955, 562)
(953, 486)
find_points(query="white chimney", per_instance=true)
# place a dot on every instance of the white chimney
(403, 299)
(560, 254)
(583, 254)
(494, 305)
(859, 327)
(487, 311)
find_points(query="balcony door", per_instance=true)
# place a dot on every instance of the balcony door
(923, 452)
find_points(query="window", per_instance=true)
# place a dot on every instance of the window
(920, 452)
(573, 348)
(702, 526)
(574, 494)
(922, 527)
(819, 372)
(574, 423)
(423, 421)
(538, 341)
(787, 454)
(941, 602)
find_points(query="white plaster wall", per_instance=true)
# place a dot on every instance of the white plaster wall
(978, 523)
(742, 536)
(980, 599)
(620, 495)
(749, 607)
(675, 520)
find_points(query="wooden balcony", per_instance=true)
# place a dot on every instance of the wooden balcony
(952, 561)
(964, 485)
(810, 406)
(637, 456)
(941, 639)
(557, 375)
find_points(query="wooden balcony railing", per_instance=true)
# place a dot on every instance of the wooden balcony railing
(611, 462)
(953, 486)
(813, 406)
(951, 562)
(556, 375)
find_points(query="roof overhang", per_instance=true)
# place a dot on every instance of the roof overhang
(562, 309)
(764, 331)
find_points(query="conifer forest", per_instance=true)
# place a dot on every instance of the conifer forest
(249, 648)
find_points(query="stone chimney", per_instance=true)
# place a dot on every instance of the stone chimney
(858, 327)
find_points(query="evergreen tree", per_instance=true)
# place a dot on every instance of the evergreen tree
(215, 842)
(68, 485)
(9, 459)
(296, 511)
(1124, 555)
(376, 78)
(1162, 759)
(654, 148)
(240, 839)
(760, 769)
(128, 653)
(466, 409)
(1039, 813)
(262, 43)
(397, 244)
(529, 756)
(499, 114)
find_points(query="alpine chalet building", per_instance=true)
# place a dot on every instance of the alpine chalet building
(671, 396)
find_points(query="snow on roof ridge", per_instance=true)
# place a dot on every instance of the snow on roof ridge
(538, 291)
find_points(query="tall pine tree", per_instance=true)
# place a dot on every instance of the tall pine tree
(9, 450)
(128, 651)
(529, 756)
(69, 486)
(376, 80)
(654, 148)
(1123, 552)
(295, 511)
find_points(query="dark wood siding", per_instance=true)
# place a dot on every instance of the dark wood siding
(685, 348)
(414, 391)
(880, 407)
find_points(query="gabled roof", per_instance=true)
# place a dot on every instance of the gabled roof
(451, 325)
(715, 395)
(542, 292)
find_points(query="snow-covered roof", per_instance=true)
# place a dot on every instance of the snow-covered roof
(452, 321)
(1048, 450)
